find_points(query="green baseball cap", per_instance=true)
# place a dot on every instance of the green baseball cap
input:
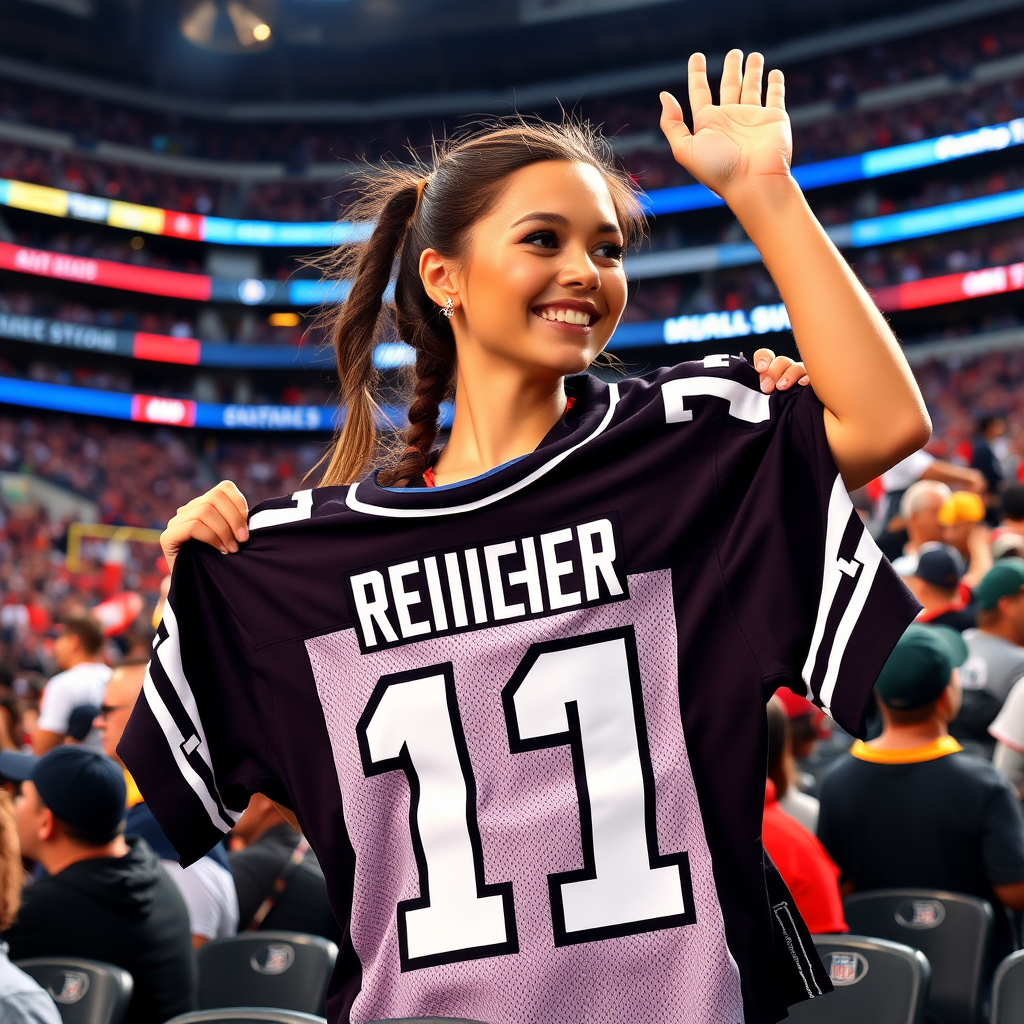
(1004, 579)
(919, 667)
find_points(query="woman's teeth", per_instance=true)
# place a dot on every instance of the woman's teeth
(567, 316)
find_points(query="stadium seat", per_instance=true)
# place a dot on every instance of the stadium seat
(1008, 991)
(952, 930)
(284, 970)
(85, 991)
(247, 1015)
(876, 982)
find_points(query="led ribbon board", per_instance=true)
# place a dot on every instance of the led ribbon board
(153, 220)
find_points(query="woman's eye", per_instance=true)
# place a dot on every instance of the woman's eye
(609, 251)
(542, 239)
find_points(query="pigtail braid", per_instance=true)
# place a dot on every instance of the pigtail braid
(354, 337)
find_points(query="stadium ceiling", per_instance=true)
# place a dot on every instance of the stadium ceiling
(369, 51)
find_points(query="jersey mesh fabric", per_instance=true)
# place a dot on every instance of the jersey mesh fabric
(530, 827)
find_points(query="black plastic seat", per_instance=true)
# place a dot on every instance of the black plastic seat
(283, 970)
(954, 931)
(85, 991)
(246, 1015)
(876, 982)
(1008, 990)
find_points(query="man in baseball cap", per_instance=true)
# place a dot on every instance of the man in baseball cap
(935, 582)
(104, 897)
(995, 660)
(913, 809)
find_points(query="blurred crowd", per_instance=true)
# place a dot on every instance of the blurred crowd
(839, 78)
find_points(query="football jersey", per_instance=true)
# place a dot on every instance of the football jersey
(521, 718)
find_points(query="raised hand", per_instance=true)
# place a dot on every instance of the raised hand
(738, 144)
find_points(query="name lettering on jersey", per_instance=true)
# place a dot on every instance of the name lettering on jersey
(576, 566)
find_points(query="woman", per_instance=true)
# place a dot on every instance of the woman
(519, 714)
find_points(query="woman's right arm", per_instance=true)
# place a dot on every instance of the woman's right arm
(219, 518)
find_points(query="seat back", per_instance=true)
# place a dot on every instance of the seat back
(875, 982)
(246, 1015)
(284, 970)
(85, 991)
(1008, 990)
(954, 931)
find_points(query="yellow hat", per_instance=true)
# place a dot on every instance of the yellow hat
(962, 507)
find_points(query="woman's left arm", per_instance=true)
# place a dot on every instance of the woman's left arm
(874, 412)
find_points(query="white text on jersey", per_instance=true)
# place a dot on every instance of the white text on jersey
(474, 587)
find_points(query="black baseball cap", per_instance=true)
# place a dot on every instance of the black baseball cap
(83, 789)
(940, 565)
(919, 667)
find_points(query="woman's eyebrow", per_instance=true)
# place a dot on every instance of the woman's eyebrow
(557, 218)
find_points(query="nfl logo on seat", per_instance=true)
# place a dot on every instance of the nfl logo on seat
(926, 913)
(69, 987)
(846, 967)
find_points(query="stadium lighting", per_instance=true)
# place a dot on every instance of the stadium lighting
(227, 26)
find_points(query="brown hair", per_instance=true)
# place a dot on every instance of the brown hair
(780, 758)
(11, 872)
(87, 629)
(415, 208)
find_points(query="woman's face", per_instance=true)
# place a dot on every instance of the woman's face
(543, 284)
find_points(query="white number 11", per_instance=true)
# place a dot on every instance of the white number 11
(583, 693)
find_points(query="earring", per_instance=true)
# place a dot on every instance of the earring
(449, 308)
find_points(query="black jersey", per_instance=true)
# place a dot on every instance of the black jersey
(521, 718)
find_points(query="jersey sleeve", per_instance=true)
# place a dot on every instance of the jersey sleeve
(196, 741)
(819, 604)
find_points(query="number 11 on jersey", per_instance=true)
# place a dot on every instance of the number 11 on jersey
(584, 693)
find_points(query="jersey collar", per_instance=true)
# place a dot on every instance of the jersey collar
(910, 755)
(590, 417)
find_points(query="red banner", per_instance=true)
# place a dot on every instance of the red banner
(160, 348)
(105, 273)
(936, 291)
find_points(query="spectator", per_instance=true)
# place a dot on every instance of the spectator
(82, 679)
(279, 881)
(805, 725)
(962, 518)
(995, 658)
(1007, 545)
(1013, 510)
(22, 1001)
(206, 885)
(919, 513)
(806, 868)
(935, 582)
(80, 727)
(105, 898)
(913, 809)
(988, 449)
(920, 467)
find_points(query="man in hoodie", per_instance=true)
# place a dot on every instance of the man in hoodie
(104, 897)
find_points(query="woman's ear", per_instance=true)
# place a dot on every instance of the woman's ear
(437, 275)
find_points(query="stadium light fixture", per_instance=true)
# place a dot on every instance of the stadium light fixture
(227, 26)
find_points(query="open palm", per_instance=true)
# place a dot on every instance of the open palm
(739, 141)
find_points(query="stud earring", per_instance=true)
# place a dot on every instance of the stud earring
(449, 308)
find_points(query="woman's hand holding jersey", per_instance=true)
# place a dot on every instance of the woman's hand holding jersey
(874, 413)
(219, 518)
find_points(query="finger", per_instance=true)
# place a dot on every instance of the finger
(790, 377)
(229, 488)
(804, 381)
(778, 366)
(205, 535)
(776, 97)
(732, 77)
(762, 359)
(697, 83)
(673, 125)
(210, 517)
(752, 80)
(226, 505)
